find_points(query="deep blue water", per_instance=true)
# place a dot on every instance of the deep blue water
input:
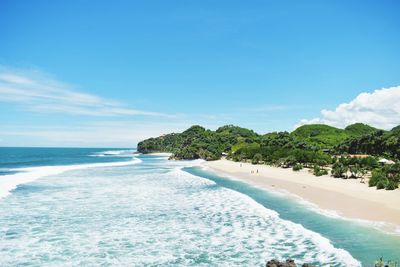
(21, 157)
(113, 207)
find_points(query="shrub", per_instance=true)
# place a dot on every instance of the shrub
(297, 167)
(257, 158)
(338, 170)
(384, 178)
(369, 162)
(323, 172)
(383, 183)
(377, 175)
(318, 171)
(392, 185)
(290, 161)
(389, 263)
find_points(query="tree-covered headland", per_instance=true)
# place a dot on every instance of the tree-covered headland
(352, 152)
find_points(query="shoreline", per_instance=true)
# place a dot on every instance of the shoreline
(159, 154)
(346, 197)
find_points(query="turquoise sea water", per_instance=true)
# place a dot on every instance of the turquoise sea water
(113, 207)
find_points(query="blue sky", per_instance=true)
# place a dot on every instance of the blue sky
(102, 73)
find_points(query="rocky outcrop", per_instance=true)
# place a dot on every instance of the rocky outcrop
(275, 263)
(287, 263)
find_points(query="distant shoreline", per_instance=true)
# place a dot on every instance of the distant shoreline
(348, 198)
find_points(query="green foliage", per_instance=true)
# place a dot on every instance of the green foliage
(247, 151)
(319, 171)
(387, 177)
(257, 158)
(392, 185)
(197, 142)
(369, 163)
(320, 135)
(324, 136)
(389, 263)
(311, 146)
(339, 170)
(358, 129)
(377, 175)
(235, 131)
(357, 167)
(383, 183)
(297, 167)
(378, 143)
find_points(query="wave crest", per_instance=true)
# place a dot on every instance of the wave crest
(115, 153)
(25, 175)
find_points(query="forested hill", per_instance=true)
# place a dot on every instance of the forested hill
(319, 147)
(378, 143)
(241, 143)
(322, 135)
(197, 142)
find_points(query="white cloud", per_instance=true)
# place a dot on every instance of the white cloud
(40, 93)
(380, 109)
(88, 134)
(35, 91)
(93, 133)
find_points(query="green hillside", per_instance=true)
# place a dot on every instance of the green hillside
(325, 136)
(304, 147)
(358, 129)
(320, 135)
(197, 142)
(241, 143)
(378, 143)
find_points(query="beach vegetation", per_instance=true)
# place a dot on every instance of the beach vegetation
(319, 171)
(387, 177)
(376, 143)
(257, 158)
(352, 152)
(297, 167)
(339, 170)
(383, 263)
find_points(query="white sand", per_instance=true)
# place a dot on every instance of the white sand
(348, 197)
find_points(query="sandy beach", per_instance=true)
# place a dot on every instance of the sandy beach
(348, 198)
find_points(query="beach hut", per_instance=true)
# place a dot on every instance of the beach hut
(384, 161)
(358, 156)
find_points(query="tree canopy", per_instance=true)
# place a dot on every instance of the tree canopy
(314, 146)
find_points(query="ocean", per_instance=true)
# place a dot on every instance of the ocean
(115, 207)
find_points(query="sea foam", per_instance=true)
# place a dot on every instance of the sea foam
(26, 175)
(115, 153)
(282, 238)
(153, 214)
